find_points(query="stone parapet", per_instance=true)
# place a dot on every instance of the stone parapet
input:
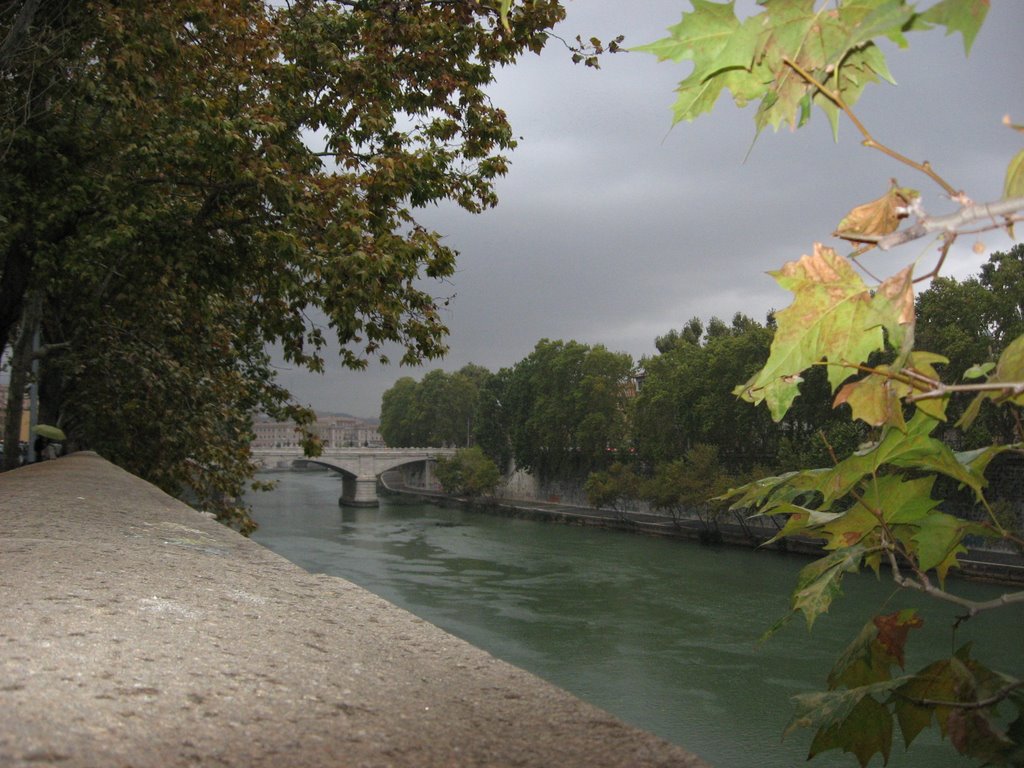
(135, 631)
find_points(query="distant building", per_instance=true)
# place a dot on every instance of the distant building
(333, 431)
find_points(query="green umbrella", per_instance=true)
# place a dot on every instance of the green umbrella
(53, 433)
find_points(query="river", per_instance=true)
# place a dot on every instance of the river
(662, 633)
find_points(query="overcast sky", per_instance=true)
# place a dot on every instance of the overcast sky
(614, 227)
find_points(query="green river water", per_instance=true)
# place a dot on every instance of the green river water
(662, 633)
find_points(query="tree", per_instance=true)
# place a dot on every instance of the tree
(468, 473)
(972, 321)
(439, 410)
(398, 415)
(682, 403)
(613, 488)
(493, 428)
(685, 487)
(567, 405)
(185, 183)
(447, 404)
(874, 506)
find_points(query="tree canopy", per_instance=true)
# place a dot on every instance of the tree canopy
(183, 184)
(439, 410)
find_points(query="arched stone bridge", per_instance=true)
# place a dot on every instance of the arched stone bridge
(359, 467)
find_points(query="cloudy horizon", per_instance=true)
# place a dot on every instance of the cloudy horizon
(614, 228)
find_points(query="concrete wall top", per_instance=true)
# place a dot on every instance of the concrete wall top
(138, 632)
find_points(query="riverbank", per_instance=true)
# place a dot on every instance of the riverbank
(139, 632)
(982, 564)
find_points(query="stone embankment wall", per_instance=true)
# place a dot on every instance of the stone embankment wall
(523, 495)
(135, 631)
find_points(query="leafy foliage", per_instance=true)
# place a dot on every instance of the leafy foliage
(777, 56)
(612, 488)
(439, 410)
(567, 405)
(687, 486)
(468, 473)
(185, 183)
(877, 505)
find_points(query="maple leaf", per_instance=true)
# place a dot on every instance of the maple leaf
(939, 540)
(722, 51)
(893, 629)
(913, 448)
(819, 583)
(875, 399)
(963, 16)
(901, 501)
(831, 316)
(956, 680)
(1010, 371)
(852, 720)
(865, 732)
(864, 20)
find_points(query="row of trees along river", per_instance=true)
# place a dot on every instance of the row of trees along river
(667, 429)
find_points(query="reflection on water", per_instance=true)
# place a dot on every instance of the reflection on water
(662, 633)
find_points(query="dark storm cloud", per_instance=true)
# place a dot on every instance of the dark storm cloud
(614, 228)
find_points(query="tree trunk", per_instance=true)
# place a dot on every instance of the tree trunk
(14, 279)
(21, 364)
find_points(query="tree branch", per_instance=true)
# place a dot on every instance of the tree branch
(972, 607)
(951, 223)
(992, 700)
(1008, 388)
(869, 140)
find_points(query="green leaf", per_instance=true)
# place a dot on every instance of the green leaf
(912, 449)
(865, 732)
(831, 316)
(938, 542)
(722, 50)
(865, 20)
(979, 371)
(963, 16)
(1014, 184)
(1010, 371)
(901, 501)
(977, 461)
(819, 583)
(852, 720)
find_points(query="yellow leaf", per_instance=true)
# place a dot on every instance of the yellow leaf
(875, 400)
(831, 316)
(879, 217)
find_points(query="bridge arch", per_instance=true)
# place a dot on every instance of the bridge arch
(359, 467)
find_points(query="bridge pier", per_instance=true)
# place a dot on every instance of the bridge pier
(359, 491)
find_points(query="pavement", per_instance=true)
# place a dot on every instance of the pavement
(135, 631)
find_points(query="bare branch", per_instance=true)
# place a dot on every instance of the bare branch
(972, 607)
(1008, 388)
(992, 700)
(994, 213)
